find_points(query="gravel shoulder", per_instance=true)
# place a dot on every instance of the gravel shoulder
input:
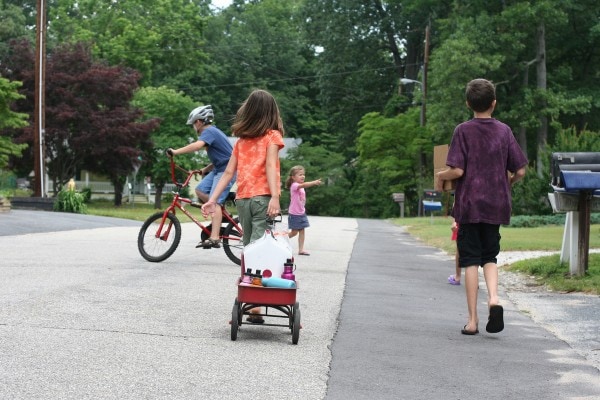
(572, 317)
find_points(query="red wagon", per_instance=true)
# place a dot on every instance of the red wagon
(278, 303)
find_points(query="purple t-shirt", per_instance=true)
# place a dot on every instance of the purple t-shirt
(485, 149)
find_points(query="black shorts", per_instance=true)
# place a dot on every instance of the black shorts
(478, 244)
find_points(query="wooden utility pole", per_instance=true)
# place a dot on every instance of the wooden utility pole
(39, 119)
(425, 67)
(423, 119)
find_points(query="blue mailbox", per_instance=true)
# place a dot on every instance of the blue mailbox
(429, 205)
(575, 181)
(431, 202)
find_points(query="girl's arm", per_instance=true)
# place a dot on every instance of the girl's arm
(271, 170)
(311, 183)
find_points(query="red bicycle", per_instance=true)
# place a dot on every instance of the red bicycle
(161, 232)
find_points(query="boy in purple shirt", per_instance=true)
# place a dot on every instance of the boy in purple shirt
(481, 152)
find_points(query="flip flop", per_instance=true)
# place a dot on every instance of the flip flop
(495, 321)
(255, 319)
(464, 331)
(304, 253)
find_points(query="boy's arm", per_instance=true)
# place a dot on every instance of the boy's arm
(517, 176)
(446, 175)
(194, 146)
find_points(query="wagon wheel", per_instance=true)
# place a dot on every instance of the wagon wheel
(296, 326)
(235, 319)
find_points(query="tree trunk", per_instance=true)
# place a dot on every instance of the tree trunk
(158, 196)
(389, 32)
(522, 134)
(118, 183)
(542, 134)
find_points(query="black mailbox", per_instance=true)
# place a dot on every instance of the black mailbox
(575, 179)
(431, 194)
(578, 161)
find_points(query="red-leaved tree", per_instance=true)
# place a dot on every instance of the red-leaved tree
(90, 123)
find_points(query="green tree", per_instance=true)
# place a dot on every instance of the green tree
(329, 198)
(159, 38)
(512, 52)
(260, 44)
(13, 24)
(89, 121)
(366, 47)
(388, 162)
(171, 108)
(10, 120)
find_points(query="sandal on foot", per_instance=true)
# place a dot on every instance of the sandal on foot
(209, 243)
(453, 281)
(496, 319)
(304, 253)
(464, 331)
(255, 319)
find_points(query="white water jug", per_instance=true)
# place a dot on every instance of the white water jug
(268, 253)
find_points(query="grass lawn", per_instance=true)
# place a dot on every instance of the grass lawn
(547, 270)
(138, 212)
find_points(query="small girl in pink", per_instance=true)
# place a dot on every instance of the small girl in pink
(297, 219)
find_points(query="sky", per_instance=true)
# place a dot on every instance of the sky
(220, 3)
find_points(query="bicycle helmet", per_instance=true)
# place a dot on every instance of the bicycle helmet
(203, 113)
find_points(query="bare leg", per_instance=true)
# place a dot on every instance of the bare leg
(471, 286)
(292, 233)
(490, 273)
(457, 271)
(301, 240)
(216, 217)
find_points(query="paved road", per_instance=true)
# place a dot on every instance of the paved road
(83, 316)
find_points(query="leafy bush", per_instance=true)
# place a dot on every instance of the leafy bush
(87, 194)
(70, 201)
(530, 197)
(533, 221)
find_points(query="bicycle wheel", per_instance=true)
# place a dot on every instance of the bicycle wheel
(155, 245)
(232, 242)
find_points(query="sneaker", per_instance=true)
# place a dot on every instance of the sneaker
(453, 281)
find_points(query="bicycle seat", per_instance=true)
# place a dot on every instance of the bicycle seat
(230, 197)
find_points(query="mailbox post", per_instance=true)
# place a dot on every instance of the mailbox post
(399, 198)
(576, 180)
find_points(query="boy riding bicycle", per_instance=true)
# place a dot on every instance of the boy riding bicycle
(218, 149)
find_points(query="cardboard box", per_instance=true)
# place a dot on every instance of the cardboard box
(440, 153)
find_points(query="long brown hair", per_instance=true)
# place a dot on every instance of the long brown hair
(257, 114)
